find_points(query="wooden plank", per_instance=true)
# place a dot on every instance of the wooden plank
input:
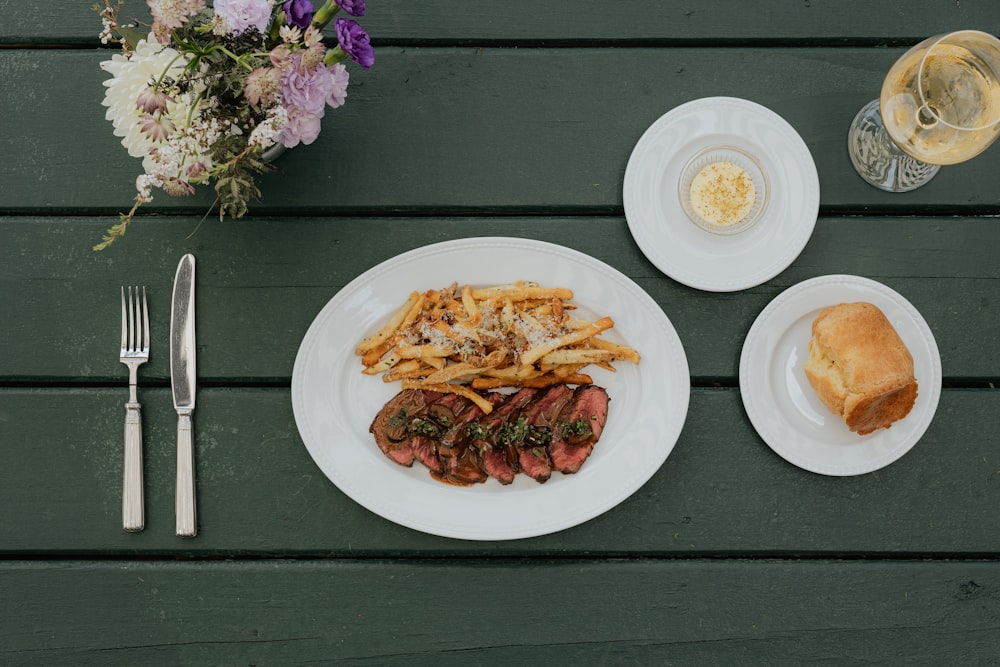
(562, 612)
(261, 281)
(721, 492)
(392, 21)
(472, 130)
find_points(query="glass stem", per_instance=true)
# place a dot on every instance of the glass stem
(879, 160)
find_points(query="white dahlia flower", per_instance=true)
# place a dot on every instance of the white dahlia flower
(149, 64)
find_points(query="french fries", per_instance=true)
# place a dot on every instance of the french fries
(446, 387)
(393, 325)
(461, 340)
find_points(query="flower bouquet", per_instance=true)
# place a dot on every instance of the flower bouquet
(206, 91)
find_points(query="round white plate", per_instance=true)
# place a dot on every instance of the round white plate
(334, 403)
(690, 254)
(784, 408)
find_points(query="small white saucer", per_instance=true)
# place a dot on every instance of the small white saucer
(692, 255)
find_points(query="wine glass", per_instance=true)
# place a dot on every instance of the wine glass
(940, 104)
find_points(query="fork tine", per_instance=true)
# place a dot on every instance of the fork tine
(131, 320)
(145, 322)
(124, 322)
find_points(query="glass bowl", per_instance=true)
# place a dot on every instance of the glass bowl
(717, 224)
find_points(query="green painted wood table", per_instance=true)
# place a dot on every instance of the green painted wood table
(482, 119)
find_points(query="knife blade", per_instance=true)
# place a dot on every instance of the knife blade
(183, 375)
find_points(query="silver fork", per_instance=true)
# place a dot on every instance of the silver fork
(135, 352)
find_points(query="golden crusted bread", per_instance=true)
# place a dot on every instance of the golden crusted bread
(860, 367)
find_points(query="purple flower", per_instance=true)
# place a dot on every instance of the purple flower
(243, 14)
(299, 12)
(352, 7)
(355, 42)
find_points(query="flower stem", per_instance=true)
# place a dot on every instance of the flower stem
(166, 69)
(204, 218)
(118, 230)
(325, 13)
(334, 55)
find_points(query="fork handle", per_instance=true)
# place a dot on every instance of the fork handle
(132, 497)
(184, 504)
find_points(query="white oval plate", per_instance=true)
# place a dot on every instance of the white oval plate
(334, 403)
(781, 403)
(690, 254)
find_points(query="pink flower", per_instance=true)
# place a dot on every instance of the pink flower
(311, 89)
(175, 187)
(161, 33)
(305, 92)
(197, 171)
(338, 91)
(152, 100)
(174, 13)
(156, 126)
(281, 56)
(289, 34)
(303, 127)
(262, 85)
(243, 14)
(304, 87)
(312, 57)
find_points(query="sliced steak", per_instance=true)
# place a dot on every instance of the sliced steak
(544, 410)
(462, 469)
(578, 428)
(424, 449)
(427, 427)
(532, 430)
(390, 426)
(462, 463)
(499, 459)
(495, 463)
(465, 441)
(535, 463)
(458, 433)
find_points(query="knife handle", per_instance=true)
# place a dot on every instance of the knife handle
(132, 504)
(184, 506)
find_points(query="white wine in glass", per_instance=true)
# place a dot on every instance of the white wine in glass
(940, 104)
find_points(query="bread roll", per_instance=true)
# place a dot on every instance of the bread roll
(860, 367)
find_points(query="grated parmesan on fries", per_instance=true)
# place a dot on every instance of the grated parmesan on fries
(517, 335)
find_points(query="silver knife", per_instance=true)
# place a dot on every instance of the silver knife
(183, 374)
